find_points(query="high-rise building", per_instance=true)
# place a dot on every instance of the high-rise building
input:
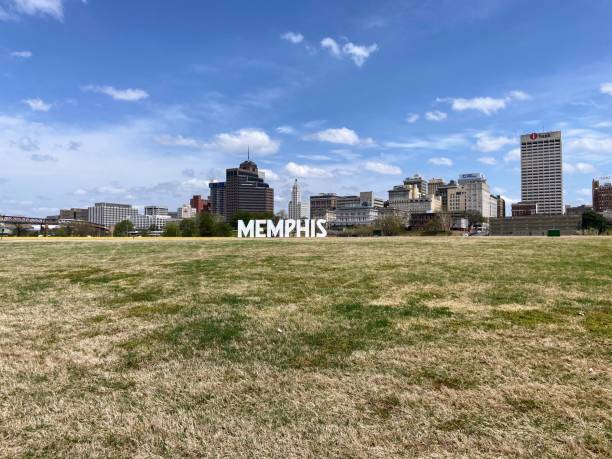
(297, 208)
(244, 189)
(109, 214)
(217, 198)
(321, 204)
(478, 197)
(501, 206)
(155, 210)
(542, 172)
(199, 204)
(434, 185)
(444, 191)
(602, 194)
(419, 182)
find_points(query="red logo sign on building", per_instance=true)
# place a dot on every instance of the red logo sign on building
(533, 136)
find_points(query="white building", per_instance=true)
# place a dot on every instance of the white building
(411, 197)
(155, 210)
(150, 222)
(298, 209)
(109, 214)
(351, 216)
(542, 171)
(477, 194)
(185, 211)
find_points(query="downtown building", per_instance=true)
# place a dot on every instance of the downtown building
(353, 210)
(244, 189)
(298, 209)
(542, 172)
(602, 194)
(109, 214)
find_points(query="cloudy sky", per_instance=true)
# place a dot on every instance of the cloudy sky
(146, 101)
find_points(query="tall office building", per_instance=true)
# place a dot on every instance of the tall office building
(477, 194)
(419, 182)
(244, 189)
(155, 210)
(541, 171)
(297, 208)
(217, 198)
(109, 214)
(434, 185)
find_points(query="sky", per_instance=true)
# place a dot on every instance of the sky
(146, 101)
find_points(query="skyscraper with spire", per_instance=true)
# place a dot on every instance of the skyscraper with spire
(298, 209)
(244, 189)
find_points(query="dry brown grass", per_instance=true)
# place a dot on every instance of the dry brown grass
(398, 347)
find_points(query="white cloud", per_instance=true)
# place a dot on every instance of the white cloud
(519, 95)
(239, 142)
(448, 142)
(487, 143)
(488, 160)
(302, 170)
(177, 141)
(126, 95)
(270, 175)
(38, 105)
(441, 161)
(52, 8)
(331, 45)
(382, 168)
(585, 191)
(22, 54)
(486, 105)
(195, 184)
(606, 88)
(582, 168)
(436, 115)
(285, 130)
(513, 155)
(359, 54)
(604, 124)
(293, 37)
(343, 136)
(412, 118)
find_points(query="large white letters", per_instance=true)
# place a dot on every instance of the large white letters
(282, 228)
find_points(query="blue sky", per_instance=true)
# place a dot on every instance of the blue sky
(145, 102)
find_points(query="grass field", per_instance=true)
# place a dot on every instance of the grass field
(479, 347)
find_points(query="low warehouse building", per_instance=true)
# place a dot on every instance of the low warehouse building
(535, 225)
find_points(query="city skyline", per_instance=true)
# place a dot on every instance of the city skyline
(150, 115)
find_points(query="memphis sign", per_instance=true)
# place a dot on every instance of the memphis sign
(283, 228)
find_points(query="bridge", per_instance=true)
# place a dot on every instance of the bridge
(46, 222)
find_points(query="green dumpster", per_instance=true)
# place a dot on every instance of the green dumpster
(554, 233)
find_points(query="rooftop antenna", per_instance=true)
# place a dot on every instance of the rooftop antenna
(248, 153)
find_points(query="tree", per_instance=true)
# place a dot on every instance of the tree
(391, 225)
(593, 220)
(474, 217)
(222, 229)
(172, 230)
(433, 226)
(187, 227)
(123, 228)
(205, 223)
